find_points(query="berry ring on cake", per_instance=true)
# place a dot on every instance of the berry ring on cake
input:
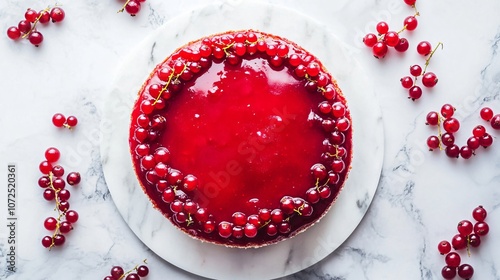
(241, 139)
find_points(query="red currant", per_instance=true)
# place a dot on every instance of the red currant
(432, 118)
(35, 38)
(391, 38)
(459, 242)
(402, 45)
(415, 70)
(410, 2)
(444, 247)
(449, 272)
(57, 14)
(382, 27)
(486, 140)
(466, 152)
(59, 120)
(380, 50)
(369, 40)
(71, 121)
(13, 33)
(474, 240)
(429, 79)
(481, 228)
(465, 271)
(447, 139)
(52, 154)
(407, 82)
(495, 122)
(452, 151)
(451, 125)
(447, 111)
(142, 271)
(479, 213)
(411, 23)
(31, 15)
(424, 48)
(73, 178)
(453, 259)
(415, 92)
(486, 113)
(433, 142)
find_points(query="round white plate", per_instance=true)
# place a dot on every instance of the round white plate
(215, 261)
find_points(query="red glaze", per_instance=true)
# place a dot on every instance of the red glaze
(249, 130)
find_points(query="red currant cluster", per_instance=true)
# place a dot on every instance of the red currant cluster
(132, 7)
(429, 79)
(59, 120)
(54, 190)
(26, 29)
(469, 235)
(480, 137)
(117, 273)
(387, 38)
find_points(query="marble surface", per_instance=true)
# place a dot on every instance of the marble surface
(206, 259)
(420, 197)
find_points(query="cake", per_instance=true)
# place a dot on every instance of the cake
(241, 139)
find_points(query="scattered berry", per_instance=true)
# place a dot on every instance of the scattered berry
(132, 7)
(118, 273)
(59, 120)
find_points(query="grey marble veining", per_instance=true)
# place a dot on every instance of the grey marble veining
(420, 196)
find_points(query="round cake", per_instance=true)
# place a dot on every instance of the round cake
(241, 139)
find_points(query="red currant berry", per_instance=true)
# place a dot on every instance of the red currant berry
(47, 241)
(57, 14)
(466, 152)
(35, 38)
(50, 223)
(44, 16)
(31, 15)
(117, 272)
(486, 114)
(72, 121)
(142, 271)
(406, 82)
(474, 240)
(478, 131)
(391, 38)
(479, 213)
(447, 111)
(369, 40)
(65, 227)
(402, 45)
(73, 178)
(250, 230)
(444, 247)
(432, 118)
(24, 26)
(382, 27)
(465, 271)
(452, 151)
(429, 79)
(453, 259)
(465, 227)
(449, 272)
(59, 239)
(415, 70)
(447, 139)
(58, 120)
(459, 242)
(58, 171)
(451, 125)
(45, 167)
(13, 33)
(52, 154)
(433, 142)
(495, 122)
(481, 228)
(225, 229)
(414, 93)
(380, 50)
(473, 142)
(410, 2)
(49, 194)
(411, 23)
(486, 140)
(71, 216)
(424, 48)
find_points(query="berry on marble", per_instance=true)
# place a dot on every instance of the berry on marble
(27, 28)
(132, 7)
(388, 38)
(59, 120)
(118, 273)
(54, 190)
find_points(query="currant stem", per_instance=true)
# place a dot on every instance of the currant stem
(439, 133)
(121, 11)
(428, 60)
(416, 11)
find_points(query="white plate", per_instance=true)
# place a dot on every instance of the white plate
(215, 261)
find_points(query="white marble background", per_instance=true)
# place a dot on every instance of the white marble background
(421, 195)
